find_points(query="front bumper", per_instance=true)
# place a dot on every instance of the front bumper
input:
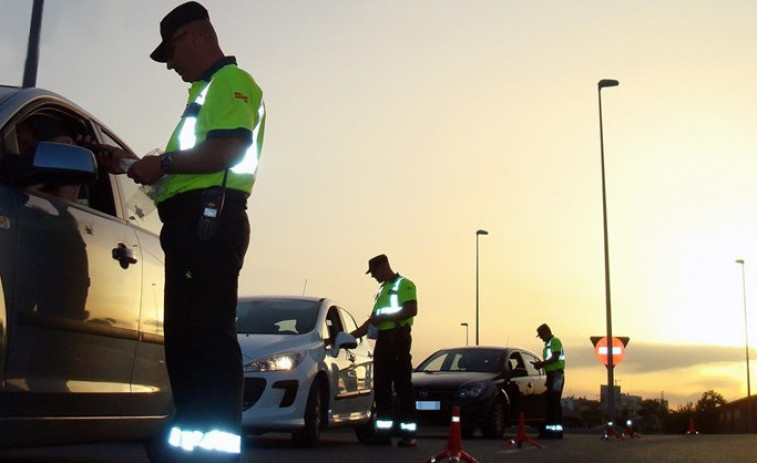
(274, 404)
(472, 411)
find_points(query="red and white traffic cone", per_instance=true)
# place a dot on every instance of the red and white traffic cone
(521, 437)
(630, 431)
(454, 449)
(692, 430)
(610, 432)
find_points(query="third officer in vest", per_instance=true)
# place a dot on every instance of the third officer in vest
(390, 325)
(554, 366)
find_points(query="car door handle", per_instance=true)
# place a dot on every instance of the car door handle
(124, 255)
(530, 385)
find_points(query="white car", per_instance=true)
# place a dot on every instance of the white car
(304, 372)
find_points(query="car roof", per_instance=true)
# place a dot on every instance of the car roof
(8, 91)
(13, 98)
(471, 348)
(280, 296)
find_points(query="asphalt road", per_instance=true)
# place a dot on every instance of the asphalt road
(342, 446)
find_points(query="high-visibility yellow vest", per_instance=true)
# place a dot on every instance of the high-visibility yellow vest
(390, 298)
(225, 103)
(554, 345)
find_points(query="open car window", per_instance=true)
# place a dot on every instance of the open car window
(51, 123)
(138, 207)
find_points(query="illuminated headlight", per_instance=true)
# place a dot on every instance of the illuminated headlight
(279, 362)
(470, 391)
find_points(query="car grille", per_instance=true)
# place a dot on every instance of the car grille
(253, 389)
(434, 394)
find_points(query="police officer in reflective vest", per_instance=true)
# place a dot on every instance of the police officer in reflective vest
(201, 185)
(554, 366)
(390, 325)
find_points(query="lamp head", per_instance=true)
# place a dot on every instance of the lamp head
(482, 232)
(607, 83)
(464, 324)
(740, 261)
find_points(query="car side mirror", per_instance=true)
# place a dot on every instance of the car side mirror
(344, 341)
(58, 164)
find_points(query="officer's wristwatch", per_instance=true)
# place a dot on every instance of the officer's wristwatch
(166, 163)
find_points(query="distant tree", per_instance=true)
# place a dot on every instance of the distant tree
(592, 414)
(710, 401)
(652, 407)
(677, 421)
(653, 414)
(706, 409)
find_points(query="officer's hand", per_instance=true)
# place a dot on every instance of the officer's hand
(108, 156)
(146, 171)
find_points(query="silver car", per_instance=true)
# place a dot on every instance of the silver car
(303, 370)
(81, 273)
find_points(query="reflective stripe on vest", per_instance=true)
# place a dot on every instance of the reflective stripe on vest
(188, 138)
(394, 300)
(560, 363)
(548, 351)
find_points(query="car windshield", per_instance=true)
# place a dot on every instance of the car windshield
(479, 360)
(276, 316)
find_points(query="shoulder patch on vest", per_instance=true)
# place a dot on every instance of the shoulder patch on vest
(241, 96)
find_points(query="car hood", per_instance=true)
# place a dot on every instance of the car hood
(255, 346)
(448, 379)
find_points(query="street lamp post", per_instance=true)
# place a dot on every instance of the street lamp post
(746, 343)
(479, 232)
(608, 306)
(32, 51)
(465, 324)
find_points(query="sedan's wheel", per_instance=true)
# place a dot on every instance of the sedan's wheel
(311, 432)
(367, 431)
(495, 422)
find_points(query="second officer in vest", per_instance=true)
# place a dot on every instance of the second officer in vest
(390, 324)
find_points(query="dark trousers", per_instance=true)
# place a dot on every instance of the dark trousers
(393, 368)
(202, 352)
(555, 385)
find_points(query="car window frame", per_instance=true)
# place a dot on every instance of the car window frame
(121, 197)
(69, 116)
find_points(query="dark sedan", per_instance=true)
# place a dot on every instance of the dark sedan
(491, 385)
(81, 283)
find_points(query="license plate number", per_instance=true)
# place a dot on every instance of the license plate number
(428, 405)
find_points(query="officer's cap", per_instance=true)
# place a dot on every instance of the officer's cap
(376, 262)
(179, 16)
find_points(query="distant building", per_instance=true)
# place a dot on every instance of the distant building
(604, 399)
(581, 412)
(732, 417)
(632, 403)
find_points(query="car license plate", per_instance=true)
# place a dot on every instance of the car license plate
(428, 405)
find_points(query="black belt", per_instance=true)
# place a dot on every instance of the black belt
(192, 200)
(398, 327)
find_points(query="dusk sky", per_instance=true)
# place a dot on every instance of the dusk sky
(403, 126)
